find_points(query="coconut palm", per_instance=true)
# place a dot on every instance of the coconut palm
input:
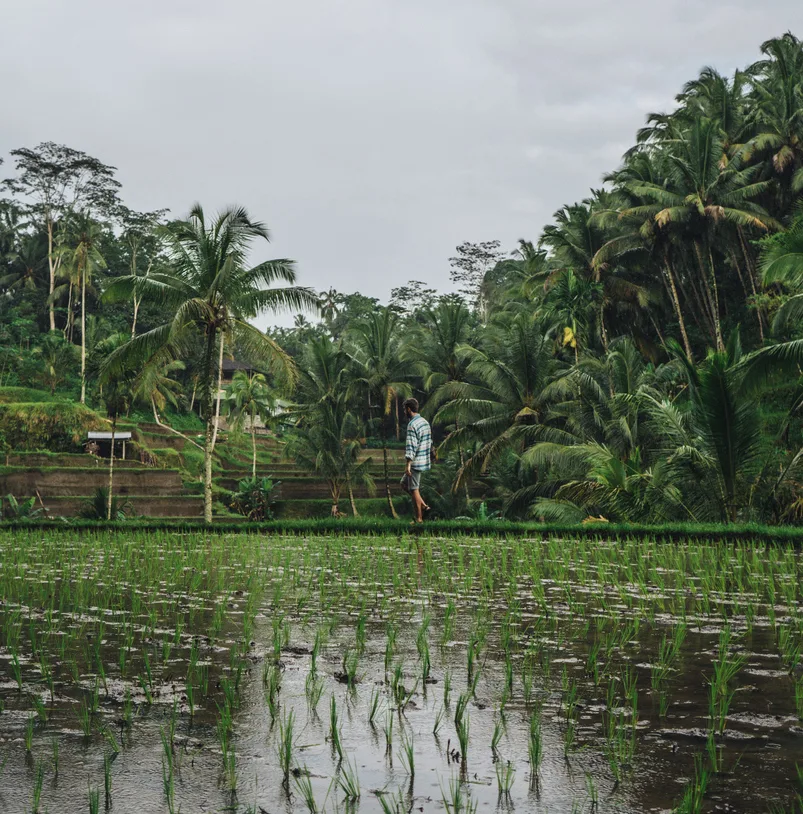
(325, 440)
(382, 373)
(699, 199)
(57, 357)
(503, 402)
(782, 264)
(249, 398)
(82, 261)
(211, 292)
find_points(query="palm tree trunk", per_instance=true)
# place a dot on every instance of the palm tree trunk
(678, 312)
(354, 511)
(219, 388)
(134, 320)
(109, 497)
(209, 416)
(68, 324)
(83, 339)
(253, 449)
(392, 508)
(52, 269)
(168, 427)
(334, 489)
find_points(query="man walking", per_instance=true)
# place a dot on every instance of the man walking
(417, 452)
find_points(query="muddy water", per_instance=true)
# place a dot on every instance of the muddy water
(581, 648)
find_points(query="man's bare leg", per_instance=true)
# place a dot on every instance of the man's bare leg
(418, 505)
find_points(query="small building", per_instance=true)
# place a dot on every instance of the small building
(100, 443)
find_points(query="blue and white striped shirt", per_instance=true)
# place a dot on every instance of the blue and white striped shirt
(419, 443)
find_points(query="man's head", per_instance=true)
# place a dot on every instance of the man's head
(410, 407)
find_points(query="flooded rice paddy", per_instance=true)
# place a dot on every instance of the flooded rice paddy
(166, 672)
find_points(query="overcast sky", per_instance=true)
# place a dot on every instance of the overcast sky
(372, 136)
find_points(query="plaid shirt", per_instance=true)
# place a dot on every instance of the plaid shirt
(419, 443)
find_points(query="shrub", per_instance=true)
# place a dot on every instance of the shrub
(57, 426)
(254, 498)
(96, 507)
(12, 509)
(16, 395)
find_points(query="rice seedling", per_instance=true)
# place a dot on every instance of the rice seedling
(438, 721)
(107, 780)
(313, 689)
(505, 775)
(29, 724)
(335, 729)
(38, 784)
(54, 756)
(373, 706)
(93, 797)
(535, 744)
(349, 781)
(285, 748)
(303, 784)
(456, 799)
(407, 753)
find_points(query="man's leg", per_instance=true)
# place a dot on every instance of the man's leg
(418, 505)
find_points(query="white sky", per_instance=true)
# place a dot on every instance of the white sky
(372, 136)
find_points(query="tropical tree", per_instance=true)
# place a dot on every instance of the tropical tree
(57, 357)
(782, 264)
(56, 181)
(503, 402)
(699, 199)
(325, 439)
(84, 260)
(382, 373)
(211, 292)
(249, 398)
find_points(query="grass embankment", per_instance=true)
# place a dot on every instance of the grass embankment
(387, 526)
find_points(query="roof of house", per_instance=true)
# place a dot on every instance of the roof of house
(107, 436)
(230, 365)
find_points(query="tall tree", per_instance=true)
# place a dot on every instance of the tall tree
(211, 292)
(382, 373)
(84, 261)
(249, 398)
(56, 180)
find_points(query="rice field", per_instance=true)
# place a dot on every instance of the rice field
(166, 672)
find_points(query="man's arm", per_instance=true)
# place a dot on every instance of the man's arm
(411, 448)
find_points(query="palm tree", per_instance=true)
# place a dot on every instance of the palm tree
(325, 440)
(698, 199)
(503, 401)
(58, 356)
(712, 447)
(382, 373)
(84, 260)
(782, 264)
(211, 293)
(776, 114)
(249, 398)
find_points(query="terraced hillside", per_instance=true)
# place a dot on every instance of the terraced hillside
(161, 477)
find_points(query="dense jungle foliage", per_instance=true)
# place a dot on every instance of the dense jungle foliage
(638, 361)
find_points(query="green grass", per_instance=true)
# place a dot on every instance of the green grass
(498, 528)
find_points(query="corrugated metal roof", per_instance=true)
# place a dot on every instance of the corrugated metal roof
(107, 436)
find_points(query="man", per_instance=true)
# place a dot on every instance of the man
(417, 452)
